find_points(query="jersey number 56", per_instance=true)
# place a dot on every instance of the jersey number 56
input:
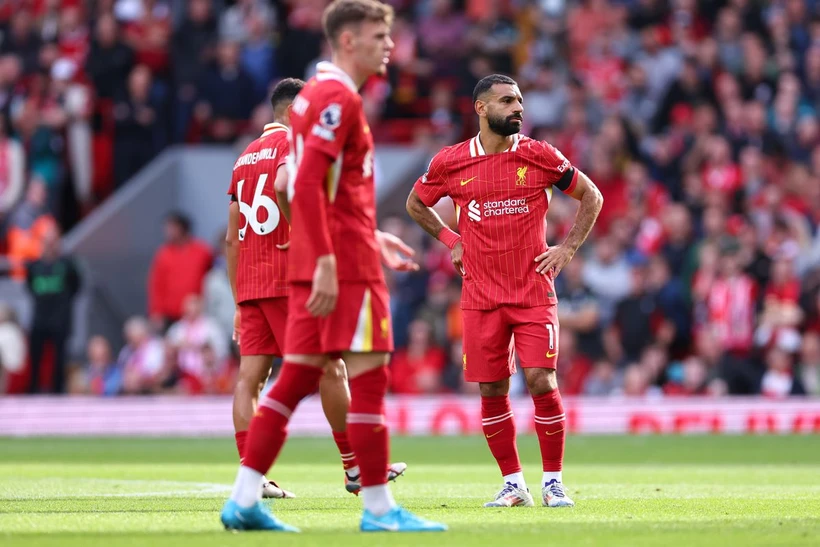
(251, 212)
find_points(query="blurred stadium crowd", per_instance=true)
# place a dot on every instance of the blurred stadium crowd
(697, 119)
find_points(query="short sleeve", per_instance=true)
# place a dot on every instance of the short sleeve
(432, 185)
(560, 172)
(333, 121)
(284, 151)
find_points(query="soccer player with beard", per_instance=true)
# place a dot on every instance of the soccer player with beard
(257, 242)
(339, 302)
(501, 183)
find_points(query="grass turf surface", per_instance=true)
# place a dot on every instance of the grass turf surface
(636, 491)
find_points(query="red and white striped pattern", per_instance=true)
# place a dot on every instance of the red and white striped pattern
(276, 406)
(550, 420)
(492, 420)
(348, 458)
(377, 419)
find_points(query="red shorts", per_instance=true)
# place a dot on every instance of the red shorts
(360, 322)
(493, 337)
(262, 326)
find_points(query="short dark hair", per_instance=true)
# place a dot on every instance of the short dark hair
(341, 13)
(181, 220)
(487, 82)
(285, 91)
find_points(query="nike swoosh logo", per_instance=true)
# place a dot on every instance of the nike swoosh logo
(551, 355)
(494, 434)
(465, 182)
(554, 432)
(389, 527)
(239, 516)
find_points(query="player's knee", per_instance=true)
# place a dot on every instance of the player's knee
(541, 380)
(494, 389)
(335, 372)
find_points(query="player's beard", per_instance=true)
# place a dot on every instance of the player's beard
(503, 126)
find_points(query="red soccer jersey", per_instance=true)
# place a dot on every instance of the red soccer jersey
(328, 117)
(502, 201)
(263, 269)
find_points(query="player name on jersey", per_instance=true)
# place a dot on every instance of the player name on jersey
(252, 158)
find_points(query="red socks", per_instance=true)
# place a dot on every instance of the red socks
(268, 429)
(348, 456)
(550, 423)
(499, 430)
(241, 437)
(366, 426)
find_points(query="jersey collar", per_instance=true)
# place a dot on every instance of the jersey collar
(326, 70)
(273, 128)
(477, 150)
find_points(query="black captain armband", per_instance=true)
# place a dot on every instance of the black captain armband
(233, 197)
(565, 181)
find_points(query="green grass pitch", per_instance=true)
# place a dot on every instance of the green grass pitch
(635, 491)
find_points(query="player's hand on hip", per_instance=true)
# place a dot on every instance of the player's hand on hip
(325, 289)
(554, 260)
(237, 321)
(456, 255)
(394, 251)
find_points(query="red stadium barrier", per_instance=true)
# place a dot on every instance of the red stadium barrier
(408, 415)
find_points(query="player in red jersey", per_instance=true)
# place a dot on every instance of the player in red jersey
(339, 303)
(257, 238)
(502, 183)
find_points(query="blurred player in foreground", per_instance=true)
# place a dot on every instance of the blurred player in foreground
(339, 303)
(501, 183)
(257, 237)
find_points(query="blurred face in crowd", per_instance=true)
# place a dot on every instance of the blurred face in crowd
(107, 30)
(606, 250)
(730, 264)
(10, 69)
(174, 232)
(228, 54)
(37, 193)
(99, 352)
(199, 10)
(21, 24)
(677, 223)
(139, 83)
(573, 272)
(778, 360)
(419, 333)
(442, 8)
(782, 271)
(635, 381)
(503, 106)
(714, 222)
(810, 350)
(659, 273)
(192, 307)
(136, 331)
(51, 242)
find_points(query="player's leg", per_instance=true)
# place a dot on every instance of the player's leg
(537, 343)
(487, 360)
(258, 345)
(300, 375)
(366, 307)
(335, 404)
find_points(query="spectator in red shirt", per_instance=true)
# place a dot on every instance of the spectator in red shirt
(178, 270)
(418, 368)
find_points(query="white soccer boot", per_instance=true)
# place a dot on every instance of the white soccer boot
(271, 490)
(553, 495)
(511, 496)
